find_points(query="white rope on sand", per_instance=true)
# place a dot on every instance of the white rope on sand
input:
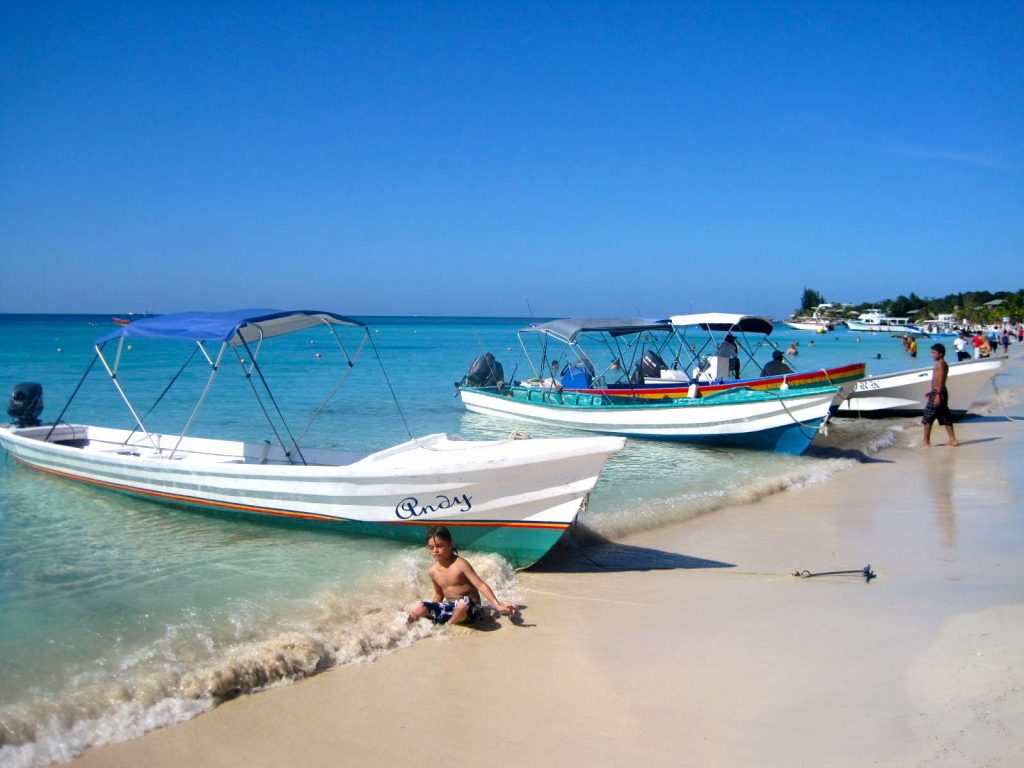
(589, 599)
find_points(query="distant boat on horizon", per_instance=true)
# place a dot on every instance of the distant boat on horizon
(132, 316)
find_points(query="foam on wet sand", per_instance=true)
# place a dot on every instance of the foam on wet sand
(713, 653)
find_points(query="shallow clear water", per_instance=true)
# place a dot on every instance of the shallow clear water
(121, 615)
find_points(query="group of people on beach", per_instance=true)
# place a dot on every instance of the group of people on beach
(979, 344)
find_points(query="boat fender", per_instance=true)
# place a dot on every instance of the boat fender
(694, 391)
(784, 386)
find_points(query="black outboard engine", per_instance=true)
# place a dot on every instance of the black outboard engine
(651, 365)
(485, 371)
(26, 404)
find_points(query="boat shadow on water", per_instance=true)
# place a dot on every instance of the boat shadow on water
(586, 552)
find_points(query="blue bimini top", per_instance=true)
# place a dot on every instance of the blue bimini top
(234, 327)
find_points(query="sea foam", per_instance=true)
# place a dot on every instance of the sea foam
(340, 626)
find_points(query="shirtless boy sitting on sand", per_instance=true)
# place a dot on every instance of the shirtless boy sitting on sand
(457, 588)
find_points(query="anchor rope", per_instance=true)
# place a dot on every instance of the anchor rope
(999, 400)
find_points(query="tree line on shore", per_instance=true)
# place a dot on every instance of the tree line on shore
(969, 305)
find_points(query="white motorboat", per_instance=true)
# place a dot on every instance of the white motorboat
(514, 497)
(785, 422)
(904, 393)
(776, 420)
(820, 320)
(876, 321)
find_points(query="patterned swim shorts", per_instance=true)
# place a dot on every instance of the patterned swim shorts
(937, 409)
(441, 613)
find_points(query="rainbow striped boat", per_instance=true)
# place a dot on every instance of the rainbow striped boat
(777, 420)
(713, 372)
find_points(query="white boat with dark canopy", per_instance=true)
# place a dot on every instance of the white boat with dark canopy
(775, 420)
(514, 497)
(875, 321)
(903, 393)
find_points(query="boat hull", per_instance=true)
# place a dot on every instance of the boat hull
(784, 423)
(516, 498)
(904, 393)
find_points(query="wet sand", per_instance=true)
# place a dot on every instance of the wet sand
(694, 645)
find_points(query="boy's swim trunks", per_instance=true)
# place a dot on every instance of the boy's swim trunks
(937, 409)
(441, 613)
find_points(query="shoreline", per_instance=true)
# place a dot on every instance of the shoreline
(694, 640)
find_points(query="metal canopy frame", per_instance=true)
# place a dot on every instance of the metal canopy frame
(624, 339)
(248, 369)
(742, 327)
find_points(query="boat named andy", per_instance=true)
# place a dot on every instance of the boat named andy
(514, 497)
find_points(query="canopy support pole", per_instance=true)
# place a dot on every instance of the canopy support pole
(266, 387)
(214, 366)
(348, 369)
(112, 372)
(63, 410)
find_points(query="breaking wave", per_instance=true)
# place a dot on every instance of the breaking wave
(154, 688)
(848, 443)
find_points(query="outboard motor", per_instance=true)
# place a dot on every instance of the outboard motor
(485, 371)
(26, 404)
(651, 365)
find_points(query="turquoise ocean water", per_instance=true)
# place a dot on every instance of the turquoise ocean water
(122, 615)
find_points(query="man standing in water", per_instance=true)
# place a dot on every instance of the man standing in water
(937, 405)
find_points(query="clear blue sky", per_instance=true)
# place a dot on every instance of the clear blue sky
(468, 158)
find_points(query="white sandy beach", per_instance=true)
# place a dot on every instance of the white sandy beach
(710, 653)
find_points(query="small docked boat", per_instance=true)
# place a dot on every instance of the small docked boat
(944, 326)
(561, 392)
(876, 321)
(784, 422)
(514, 497)
(904, 393)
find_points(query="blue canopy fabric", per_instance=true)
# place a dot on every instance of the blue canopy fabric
(232, 327)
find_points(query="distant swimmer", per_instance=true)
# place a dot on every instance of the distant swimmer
(457, 587)
(793, 351)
